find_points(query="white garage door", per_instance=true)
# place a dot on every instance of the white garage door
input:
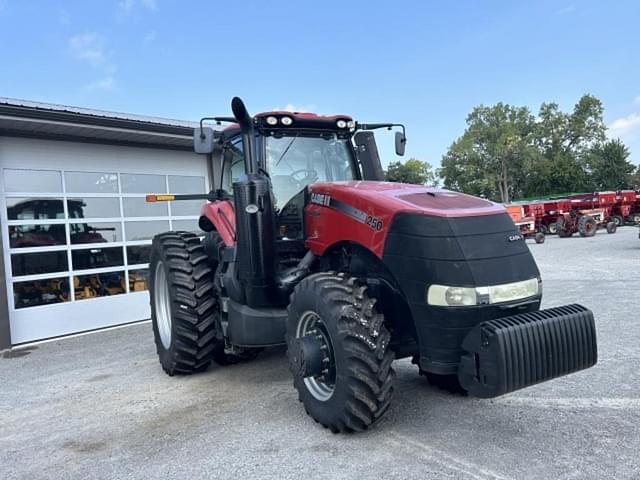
(77, 230)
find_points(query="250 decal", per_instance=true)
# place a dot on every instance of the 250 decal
(374, 222)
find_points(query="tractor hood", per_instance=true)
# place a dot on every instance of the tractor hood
(363, 211)
(390, 198)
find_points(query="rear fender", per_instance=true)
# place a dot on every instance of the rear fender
(219, 216)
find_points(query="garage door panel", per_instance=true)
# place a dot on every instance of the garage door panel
(78, 231)
(64, 319)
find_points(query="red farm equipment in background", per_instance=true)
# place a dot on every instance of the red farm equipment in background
(589, 211)
(546, 213)
(527, 224)
(582, 213)
(628, 206)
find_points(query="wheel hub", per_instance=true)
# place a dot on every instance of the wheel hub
(314, 359)
(308, 356)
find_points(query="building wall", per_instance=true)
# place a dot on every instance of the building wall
(75, 248)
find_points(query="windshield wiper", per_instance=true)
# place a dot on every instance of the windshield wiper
(286, 150)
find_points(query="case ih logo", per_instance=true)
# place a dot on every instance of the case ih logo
(326, 201)
(515, 237)
(321, 199)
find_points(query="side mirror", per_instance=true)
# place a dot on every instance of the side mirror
(203, 140)
(401, 142)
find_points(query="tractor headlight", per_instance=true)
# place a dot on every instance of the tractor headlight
(341, 123)
(513, 291)
(351, 124)
(271, 120)
(286, 121)
(445, 296)
(451, 296)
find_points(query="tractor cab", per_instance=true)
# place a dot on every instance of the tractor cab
(295, 150)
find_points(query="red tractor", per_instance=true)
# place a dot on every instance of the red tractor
(546, 213)
(527, 225)
(306, 245)
(589, 212)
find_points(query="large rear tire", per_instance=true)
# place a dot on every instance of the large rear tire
(587, 226)
(355, 386)
(183, 303)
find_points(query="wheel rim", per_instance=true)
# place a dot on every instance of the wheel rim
(553, 228)
(162, 303)
(323, 386)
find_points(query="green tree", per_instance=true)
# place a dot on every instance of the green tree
(564, 141)
(489, 157)
(505, 152)
(412, 171)
(609, 166)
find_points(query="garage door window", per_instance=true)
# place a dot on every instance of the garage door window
(75, 236)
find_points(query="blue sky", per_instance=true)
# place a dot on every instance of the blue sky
(426, 64)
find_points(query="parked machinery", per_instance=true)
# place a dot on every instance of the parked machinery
(589, 212)
(628, 206)
(527, 225)
(306, 245)
(546, 213)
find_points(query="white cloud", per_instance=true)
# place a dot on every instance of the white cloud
(628, 130)
(127, 6)
(566, 10)
(90, 48)
(625, 126)
(105, 84)
(290, 107)
(149, 4)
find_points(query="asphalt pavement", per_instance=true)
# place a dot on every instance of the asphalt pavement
(99, 406)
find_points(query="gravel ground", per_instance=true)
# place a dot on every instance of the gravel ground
(99, 406)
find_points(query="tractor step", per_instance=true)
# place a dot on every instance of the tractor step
(511, 353)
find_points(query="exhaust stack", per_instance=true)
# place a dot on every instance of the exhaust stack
(255, 229)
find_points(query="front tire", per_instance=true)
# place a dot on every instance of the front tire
(561, 230)
(183, 303)
(618, 220)
(355, 386)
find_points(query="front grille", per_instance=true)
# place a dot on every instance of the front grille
(514, 352)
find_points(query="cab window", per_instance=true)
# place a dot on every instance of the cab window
(233, 164)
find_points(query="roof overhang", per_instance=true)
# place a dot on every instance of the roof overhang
(28, 119)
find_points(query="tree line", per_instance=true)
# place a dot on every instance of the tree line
(507, 153)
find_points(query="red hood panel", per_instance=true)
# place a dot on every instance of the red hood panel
(402, 197)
